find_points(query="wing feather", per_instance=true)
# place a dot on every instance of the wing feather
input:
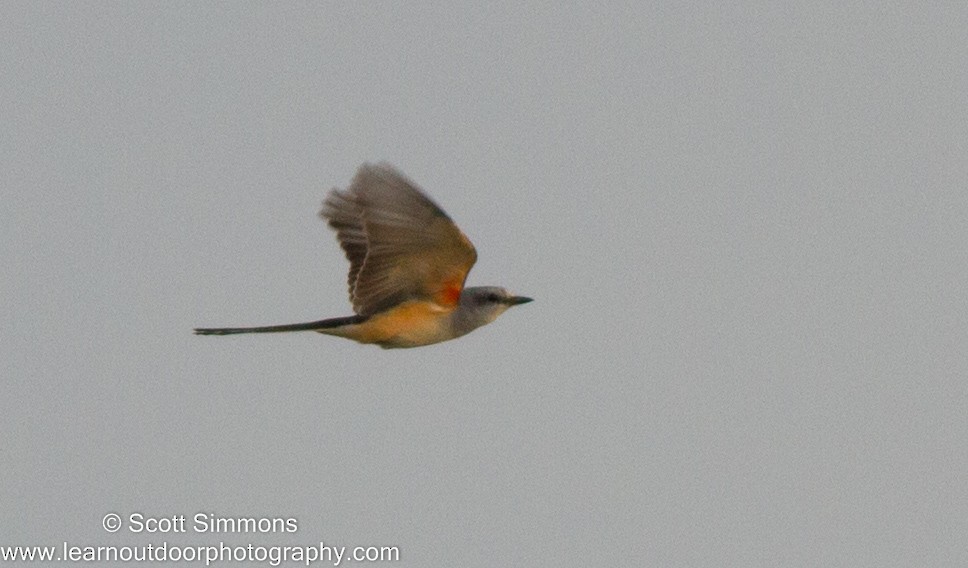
(400, 244)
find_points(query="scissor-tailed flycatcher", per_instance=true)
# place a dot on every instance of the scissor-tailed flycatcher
(408, 263)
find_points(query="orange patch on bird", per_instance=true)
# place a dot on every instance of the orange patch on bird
(450, 294)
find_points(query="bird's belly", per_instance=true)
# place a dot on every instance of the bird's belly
(410, 324)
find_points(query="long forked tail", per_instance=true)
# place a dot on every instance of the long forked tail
(307, 326)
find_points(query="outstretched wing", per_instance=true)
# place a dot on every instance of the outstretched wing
(400, 244)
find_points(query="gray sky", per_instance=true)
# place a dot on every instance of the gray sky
(744, 228)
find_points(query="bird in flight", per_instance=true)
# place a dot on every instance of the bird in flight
(408, 264)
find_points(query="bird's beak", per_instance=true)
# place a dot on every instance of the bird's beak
(515, 300)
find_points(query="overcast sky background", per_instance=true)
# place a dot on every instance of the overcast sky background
(744, 228)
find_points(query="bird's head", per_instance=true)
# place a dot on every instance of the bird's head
(482, 304)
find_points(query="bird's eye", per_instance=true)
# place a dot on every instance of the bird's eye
(494, 298)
